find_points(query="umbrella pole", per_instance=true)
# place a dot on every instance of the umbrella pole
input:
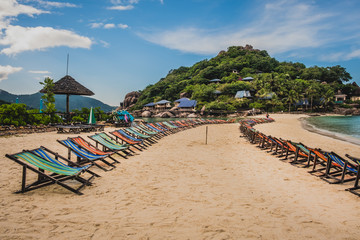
(67, 108)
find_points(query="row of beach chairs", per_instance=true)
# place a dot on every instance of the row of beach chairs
(327, 165)
(97, 151)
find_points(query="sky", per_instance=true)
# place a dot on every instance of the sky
(119, 46)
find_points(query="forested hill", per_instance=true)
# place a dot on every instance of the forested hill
(285, 82)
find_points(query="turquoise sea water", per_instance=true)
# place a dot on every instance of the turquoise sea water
(347, 125)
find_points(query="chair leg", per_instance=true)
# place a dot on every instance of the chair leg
(23, 183)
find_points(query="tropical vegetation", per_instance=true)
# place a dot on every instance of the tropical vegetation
(18, 114)
(277, 86)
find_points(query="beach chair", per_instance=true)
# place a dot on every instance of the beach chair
(85, 156)
(160, 133)
(180, 124)
(303, 155)
(110, 144)
(280, 145)
(171, 126)
(138, 134)
(356, 188)
(165, 128)
(141, 129)
(82, 143)
(321, 159)
(266, 142)
(50, 170)
(292, 148)
(158, 129)
(134, 137)
(348, 170)
(138, 144)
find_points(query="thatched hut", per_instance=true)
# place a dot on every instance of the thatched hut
(68, 86)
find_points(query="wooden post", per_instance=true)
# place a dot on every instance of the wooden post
(206, 135)
(67, 108)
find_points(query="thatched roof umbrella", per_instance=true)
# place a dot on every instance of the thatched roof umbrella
(68, 86)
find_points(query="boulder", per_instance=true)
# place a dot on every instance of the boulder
(167, 115)
(146, 114)
(345, 111)
(182, 115)
(130, 99)
(173, 110)
(164, 115)
(192, 115)
(356, 112)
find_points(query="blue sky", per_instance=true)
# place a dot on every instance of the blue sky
(118, 46)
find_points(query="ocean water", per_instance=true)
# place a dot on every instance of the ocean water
(344, 125)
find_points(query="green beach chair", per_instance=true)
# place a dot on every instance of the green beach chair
(111, 144)
(50, 170)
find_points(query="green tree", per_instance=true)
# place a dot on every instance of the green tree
(49, 98)
(204, 92)
(328, 98)
(312, 91)
(292, 97)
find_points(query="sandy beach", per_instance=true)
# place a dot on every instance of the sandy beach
(181, 188)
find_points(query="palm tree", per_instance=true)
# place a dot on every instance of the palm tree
(311, 91)
(328, 97)
(293, 96)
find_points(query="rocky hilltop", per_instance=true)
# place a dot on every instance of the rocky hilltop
(131, 99)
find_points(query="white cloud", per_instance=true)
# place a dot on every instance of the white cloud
(11, 8)
(19, 39)
(353, 54)
(122, 26)
(340, 56)
(280, 27)
(5, 71)
(109, 25)
(39, 72)
(105, 44)
(96, 25)
(121, 7)
(56, 4)
(117, 2)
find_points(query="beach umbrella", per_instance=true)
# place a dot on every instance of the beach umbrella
(41, 105)
(68, 86)
(92, 119)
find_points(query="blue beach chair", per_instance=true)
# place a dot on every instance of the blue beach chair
(347, 173)
(84, 156)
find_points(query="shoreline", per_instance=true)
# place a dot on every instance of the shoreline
(339, 136)
(292, 127)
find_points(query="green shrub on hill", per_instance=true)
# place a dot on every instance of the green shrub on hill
(286, 82)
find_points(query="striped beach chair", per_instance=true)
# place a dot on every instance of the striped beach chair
(50, 170)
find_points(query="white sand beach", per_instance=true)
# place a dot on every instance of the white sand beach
(180, 188)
